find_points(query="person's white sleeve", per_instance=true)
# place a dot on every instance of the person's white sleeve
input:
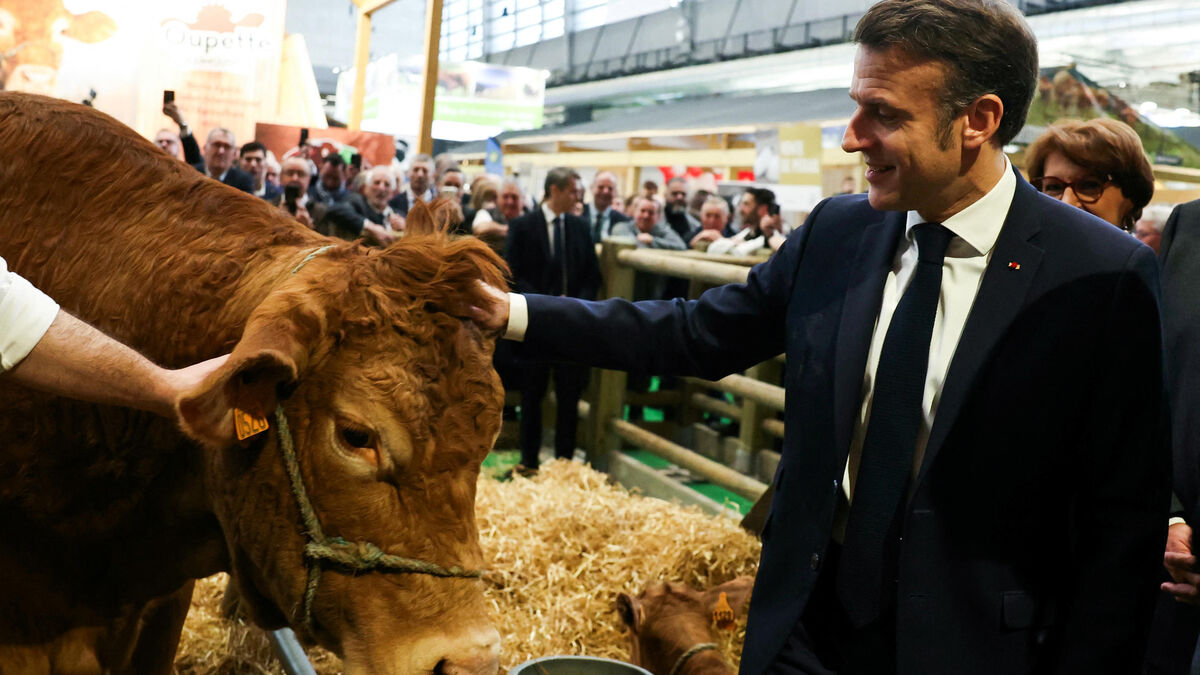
(25, 315)
(722, 245)
(518, 317)
(749, 246)
(481, 217)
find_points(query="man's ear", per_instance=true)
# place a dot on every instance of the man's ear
(246, 387)
(983, 117)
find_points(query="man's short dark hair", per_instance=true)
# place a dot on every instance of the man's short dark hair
(762, 197)
(253, 146)
(561, 177)
(335, 159)
(985, 45)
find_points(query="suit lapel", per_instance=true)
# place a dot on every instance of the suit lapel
(1001, 296)
(873, 261)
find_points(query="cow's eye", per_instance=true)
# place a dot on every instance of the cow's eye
(356, 438)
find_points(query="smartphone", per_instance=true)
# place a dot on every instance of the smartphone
(291, 195)
(168, 96)
(303, 137)
(356, 160)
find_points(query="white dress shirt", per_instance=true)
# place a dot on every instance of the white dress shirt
(25, 314)
(976, 229)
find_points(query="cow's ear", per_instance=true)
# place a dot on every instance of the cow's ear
(631, 611)
(246, 386)
(736, 593)
(270, 354)
(91, 27)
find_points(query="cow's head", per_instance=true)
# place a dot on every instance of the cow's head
(393, 403)
(31, 36)
(668, 619)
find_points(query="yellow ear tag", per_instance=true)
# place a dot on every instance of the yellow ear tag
(248, 417)
(723, 613)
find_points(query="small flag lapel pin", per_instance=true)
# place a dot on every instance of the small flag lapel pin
(1014, 265)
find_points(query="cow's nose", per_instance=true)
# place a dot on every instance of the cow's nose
(479, 656)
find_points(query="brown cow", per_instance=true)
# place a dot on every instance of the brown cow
(669, 625)
(31, 36)
(107, 514)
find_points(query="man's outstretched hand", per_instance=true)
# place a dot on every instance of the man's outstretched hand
(492, 313)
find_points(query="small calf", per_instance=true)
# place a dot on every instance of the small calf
(670, 626)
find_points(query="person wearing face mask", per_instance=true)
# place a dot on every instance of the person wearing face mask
(1097, 165)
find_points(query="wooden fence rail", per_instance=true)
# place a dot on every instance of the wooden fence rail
(761, 398)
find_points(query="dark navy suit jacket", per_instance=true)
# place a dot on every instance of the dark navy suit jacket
(536, 269)
(1034, 535)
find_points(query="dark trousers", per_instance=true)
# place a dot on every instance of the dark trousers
(823, 642)
(569, 382)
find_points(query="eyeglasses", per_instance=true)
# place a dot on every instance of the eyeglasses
(1087, 190)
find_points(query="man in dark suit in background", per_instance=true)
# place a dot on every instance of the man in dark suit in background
(368, 214)
(600, 215)
(974, 477)
(550, 251)
(420, 185)
(252, 159)
(1177, 621)
(294, 178)
(220, 151)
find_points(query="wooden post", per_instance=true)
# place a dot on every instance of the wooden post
(433, 36)
(610, 384)
(754, 413)
(362, 54)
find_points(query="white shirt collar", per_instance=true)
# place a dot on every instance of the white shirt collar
(549, 213)
(979, 224)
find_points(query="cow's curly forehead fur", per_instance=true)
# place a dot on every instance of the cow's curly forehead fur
(389, 319)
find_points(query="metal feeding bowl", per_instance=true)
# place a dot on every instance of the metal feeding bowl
(577, 665)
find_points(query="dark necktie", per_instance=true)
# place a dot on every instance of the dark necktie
(560, 244)
(868, 562)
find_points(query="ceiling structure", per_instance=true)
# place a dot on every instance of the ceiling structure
(1142, 50)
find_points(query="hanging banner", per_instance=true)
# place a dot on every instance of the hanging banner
(220, 57)
(474, 100)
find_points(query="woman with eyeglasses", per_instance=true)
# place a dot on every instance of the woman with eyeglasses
(1097, 165)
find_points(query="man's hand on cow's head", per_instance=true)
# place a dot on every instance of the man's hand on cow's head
(493, 316)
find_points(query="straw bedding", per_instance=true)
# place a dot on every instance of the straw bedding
(560, 548)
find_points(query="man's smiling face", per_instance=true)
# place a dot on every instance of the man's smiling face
(911, 163)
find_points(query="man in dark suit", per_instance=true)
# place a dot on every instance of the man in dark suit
(600, 216)
(420, 185)
(294, 178)
(1177, 621)
(550, 251)
(220, 151)
(974, 476)
(252, 159)
(367, 215)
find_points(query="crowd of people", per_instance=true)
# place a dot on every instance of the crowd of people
(351, 201)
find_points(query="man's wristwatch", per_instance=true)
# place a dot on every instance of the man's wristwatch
(184, 129)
